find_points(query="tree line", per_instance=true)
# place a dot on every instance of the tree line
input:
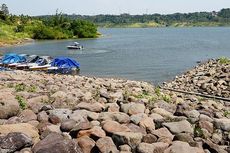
(221, 18)
(57, 26)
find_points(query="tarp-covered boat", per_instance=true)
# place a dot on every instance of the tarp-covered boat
(64, 65)
(13, 58)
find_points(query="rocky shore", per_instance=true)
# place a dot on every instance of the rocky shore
(46, 113)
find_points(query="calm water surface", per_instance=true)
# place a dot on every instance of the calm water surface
(154, 55)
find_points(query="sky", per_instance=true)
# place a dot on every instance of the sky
(94, 7)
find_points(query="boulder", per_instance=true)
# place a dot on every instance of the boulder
(106, 145)
(130, 138)
(56, 143)
(15, 141)
(113, 126)
(68, 125)
(115, 116)
(179, 127)
(148, 124)
(86, 144)
(62, 114)
(163, 133)
(9, 106)
(93, 107)
(152, 148)
(25, 128)
(96, 131)
(223, 124)
(182, 147)
(27, 115)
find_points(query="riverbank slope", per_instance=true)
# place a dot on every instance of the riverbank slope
(61, 113)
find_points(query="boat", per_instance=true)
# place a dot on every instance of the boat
(12, 58)
(76, 45)
(30, 60)
(64, 65)
(43, 63)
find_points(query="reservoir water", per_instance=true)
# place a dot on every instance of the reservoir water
(150, 54)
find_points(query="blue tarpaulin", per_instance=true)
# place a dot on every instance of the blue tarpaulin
(65, 62)
(13, 58)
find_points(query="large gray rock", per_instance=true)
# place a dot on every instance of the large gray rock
(62, 114)
(223, 124)
(9, 106)
(14, 141)
(179, 127)
(56, 143)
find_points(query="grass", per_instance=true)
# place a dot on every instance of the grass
(224, 60)
(20, 87)
(22, 102)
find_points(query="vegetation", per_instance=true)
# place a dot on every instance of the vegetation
(224, 60)
(16, 28)
(221, 18)
(22, 102)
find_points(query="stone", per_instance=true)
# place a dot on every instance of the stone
(166, 106)
(163, 133)
(148, 124)
(113, 126)
(193, 115)
(68, 125)
(62, 114)
(136, 109)
(27, 115)
(136, 118)
(137, 129)
(86, 144)
(130, 138)
(152, 148)
(9, 106)
(25, 128)
(80, 126)
(182, 147)
(112, 107)
(223, 124)
(93, 107)
(106, 145)
(36, 103)
(162, 112)
(56, 143)
(125, 148)
(179, 127)
(42, 116)
(205, 118)
(95, 132)
(156, 117)
(115, 116)
(54, 119)
(213, 147)
(15, 141)
(149, 138)
(206, 125)
(217, 138)
(185, 137)
(13, 120)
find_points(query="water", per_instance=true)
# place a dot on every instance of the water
(150, 54)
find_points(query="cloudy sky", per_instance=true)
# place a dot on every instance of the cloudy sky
(93, 7)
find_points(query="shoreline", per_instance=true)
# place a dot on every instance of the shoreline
(88, 113)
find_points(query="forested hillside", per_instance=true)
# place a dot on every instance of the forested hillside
(221, 18)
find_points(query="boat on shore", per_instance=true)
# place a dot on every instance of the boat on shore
(76, 46)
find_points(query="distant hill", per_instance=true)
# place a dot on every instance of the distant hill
(221, 18)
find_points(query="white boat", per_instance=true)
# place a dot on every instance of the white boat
(76, 45)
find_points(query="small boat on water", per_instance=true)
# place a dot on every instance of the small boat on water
(76, 45)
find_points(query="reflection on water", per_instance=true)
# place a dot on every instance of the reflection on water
(150, 54)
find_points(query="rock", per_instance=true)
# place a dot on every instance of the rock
(113, 126)
(162, 112)
(148, 124)
(13, 120)
(163, 133)
(206, 125)
(62, 114)
(213, 147)
(56, 143)
(182, 147)
(136, 108)
(25, 128)
(156, 117)
(86, 144)
(42, 116)
(179, 127)
(205, 118)
(152, 148)
(27, 115)
(95, 132)
(115, 116)
(68, 125)
(223, 124)
(217, 138)
(80, 126)
(149, 138)
(112, 107)
(9, 106)
(125, 148)
(36, 103)
(93, 107)
(106, 145)
(54, 119)
(136, 118)
(136, 129)
(116, 97)
(166, 106)
(193, 115)
(15, 141)
(185, 137)
(130, 138)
